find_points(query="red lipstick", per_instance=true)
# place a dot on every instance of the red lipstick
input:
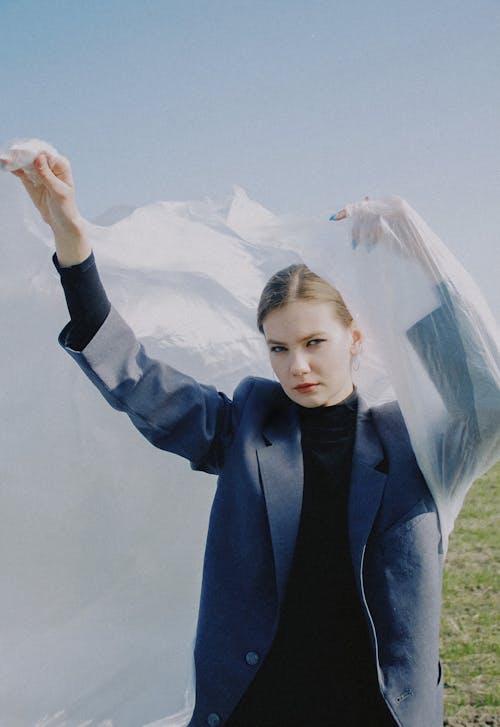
(304, 388)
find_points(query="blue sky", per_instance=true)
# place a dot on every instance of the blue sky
(305, 104)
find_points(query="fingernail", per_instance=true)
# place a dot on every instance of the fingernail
(334, 217)
(354, 244)
(2, 164)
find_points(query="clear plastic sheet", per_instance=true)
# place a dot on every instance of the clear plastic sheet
(21, 153)
(102, 535)
(435, 337)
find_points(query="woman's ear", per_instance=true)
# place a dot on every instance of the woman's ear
(356, 340)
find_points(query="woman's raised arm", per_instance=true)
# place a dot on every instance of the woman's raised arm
(439, 343)
(170, 409)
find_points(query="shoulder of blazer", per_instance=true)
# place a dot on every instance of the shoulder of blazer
(261, 387)
(258, 394)
(393, 435)
(406, 493)
(252, 399)
(390, 424)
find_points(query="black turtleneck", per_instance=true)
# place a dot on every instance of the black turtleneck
(321, 669)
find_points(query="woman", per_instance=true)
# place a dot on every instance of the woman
(322, 576)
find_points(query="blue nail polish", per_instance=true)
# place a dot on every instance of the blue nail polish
(354, 244)
(2, 164)
(334, 217)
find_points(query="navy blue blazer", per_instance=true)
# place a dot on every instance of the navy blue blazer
(252, 443)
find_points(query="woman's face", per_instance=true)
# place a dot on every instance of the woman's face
(310, 351)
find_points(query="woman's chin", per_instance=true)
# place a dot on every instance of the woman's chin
(308, 398)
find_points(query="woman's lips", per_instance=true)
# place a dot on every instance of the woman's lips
(305, 388)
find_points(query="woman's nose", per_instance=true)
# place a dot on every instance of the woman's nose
(299, 365)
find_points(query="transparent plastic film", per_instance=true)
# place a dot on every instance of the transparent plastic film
(438, 342)
(102, 534)
(21, 153)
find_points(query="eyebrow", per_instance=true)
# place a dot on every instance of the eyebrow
(310, 336)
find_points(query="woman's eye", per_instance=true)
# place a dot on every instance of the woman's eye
(277, 349)
(315, 341)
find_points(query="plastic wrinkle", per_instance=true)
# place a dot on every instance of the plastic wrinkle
(438, 341)
(21, 153)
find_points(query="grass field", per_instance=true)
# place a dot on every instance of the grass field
(470, 641)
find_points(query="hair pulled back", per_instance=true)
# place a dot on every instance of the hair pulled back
(297, 282)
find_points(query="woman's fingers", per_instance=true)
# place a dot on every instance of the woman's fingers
(47, 176)
(366, 227)
(37, 192)
(32, 188)
(341, 215)
(61, 168)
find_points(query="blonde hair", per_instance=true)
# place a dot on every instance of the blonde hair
(297, 282)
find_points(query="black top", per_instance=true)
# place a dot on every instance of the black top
(321, 668)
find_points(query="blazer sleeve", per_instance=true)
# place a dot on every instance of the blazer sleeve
(172, 410)
(452, 350)
(461, 358)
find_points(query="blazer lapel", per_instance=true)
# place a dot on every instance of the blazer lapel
(282, 473)
(367, 487)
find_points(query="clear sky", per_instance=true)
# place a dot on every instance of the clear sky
(306, 104)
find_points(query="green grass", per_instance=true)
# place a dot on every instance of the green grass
(470, 640)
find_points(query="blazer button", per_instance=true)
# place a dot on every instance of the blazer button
(213, 720)
(252, 658)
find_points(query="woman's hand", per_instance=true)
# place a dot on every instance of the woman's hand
(51, 188)
(391, 222)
